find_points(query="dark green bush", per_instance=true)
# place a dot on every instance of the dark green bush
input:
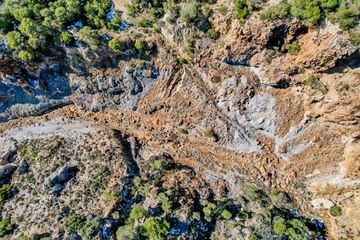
(182, 60)
(307, 10)
(223, 10)
(209, 211)
(346, 17)
(127, 232)
(155, 228)
(6, 227)
(190, 12)
(66, 37)
(312, 81)
(5, 193)
(90, 229)
(116, 45)
(293, 48)
(26, 56)
(145, 22)
(90, 36)
(279, 225)
(75, 222)
(212, 33)
(136, 213)
(226, 214)
(336, 211)
(40, 24)
(278, 11)
(165, 202)
(241, 10)
(96, 11)
(158, 164)
(355, 38)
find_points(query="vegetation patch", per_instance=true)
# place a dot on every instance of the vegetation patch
(5, 193)
(336, 211)
(6, 227)
(34, 27)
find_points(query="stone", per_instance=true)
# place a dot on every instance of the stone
(322, 203)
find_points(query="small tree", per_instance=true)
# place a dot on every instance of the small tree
(189, 13)
(90, 36)
(127, 232)
(75, 222)
(15, 40)
(66, 37)
(5, 193)
(136, 213)
(6, 227)
(155, 228)
(139, 45)
(116, 45)
(26, 56)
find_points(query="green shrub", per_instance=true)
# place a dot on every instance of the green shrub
(145, 22)
(226, 214)
(165, 202)
(127, 232)
(66, 37)
(15, 40)
(75, 222)
(111, 197)
(182, 60)
(96, 12)
(90, 36)
(115, 22)
(206, 11)
(116, 45)
(297, 230)
(346, 17)
(41, 22)
(210, 134)
(223, 10)
(312, 81)
(5, 193)
(279, 225)
(293, 48)
(278, 11)
(241, 10)
(26, 56)
(139, 44)
(136, 213)
(355, 38)
(6, 227)
(90, 229)
(209, 211)
(183, 131)
(307, 10)
(329, 4)
(157, 165)
(212, 33)
(189, 13)
(155, 228)
(23, 237)
(336, 211)
(196, 216)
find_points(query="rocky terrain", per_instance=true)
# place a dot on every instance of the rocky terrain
(243, 135)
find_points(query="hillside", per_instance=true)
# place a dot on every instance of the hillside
(227, 119)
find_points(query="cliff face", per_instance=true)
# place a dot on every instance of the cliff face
(242, 109)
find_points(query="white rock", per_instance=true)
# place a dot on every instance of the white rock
(322, 203)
